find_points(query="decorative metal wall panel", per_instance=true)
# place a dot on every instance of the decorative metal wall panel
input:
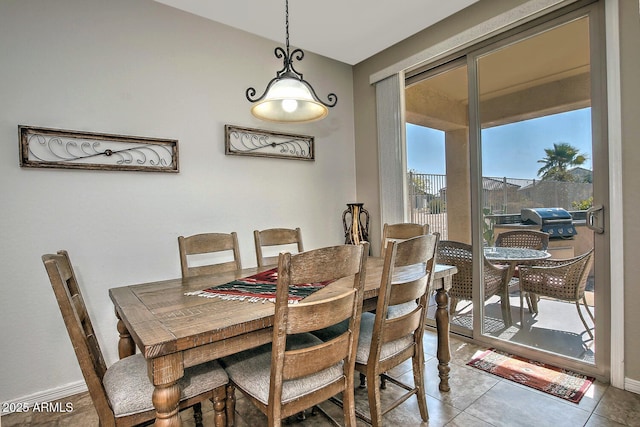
(262, 143)
(54, 148)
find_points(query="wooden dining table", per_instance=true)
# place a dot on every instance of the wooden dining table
(174, 331)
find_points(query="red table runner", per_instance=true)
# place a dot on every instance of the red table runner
(260, 287)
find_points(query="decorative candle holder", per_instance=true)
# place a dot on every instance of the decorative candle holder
(355, 220)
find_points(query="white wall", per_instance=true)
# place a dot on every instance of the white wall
(141, 68)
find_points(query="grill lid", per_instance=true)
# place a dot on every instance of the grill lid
(555, 221)
(542, 216)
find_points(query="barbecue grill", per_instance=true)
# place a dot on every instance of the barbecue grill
(555, 221)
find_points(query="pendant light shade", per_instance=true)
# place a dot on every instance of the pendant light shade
(288, 97)
(289, 100)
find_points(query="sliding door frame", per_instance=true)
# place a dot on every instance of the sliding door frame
(436, 54)
(601, 367)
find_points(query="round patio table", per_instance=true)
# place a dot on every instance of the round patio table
(514, 257)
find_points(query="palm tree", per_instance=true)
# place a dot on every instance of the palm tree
(558, 159)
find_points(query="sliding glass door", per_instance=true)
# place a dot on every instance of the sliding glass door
(521, 121)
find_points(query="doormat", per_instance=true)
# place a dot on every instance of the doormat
(556, 381)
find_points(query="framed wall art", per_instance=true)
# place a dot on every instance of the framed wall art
(66, 149)
(241, 141)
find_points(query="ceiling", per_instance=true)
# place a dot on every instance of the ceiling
(348, 31)
(545, 73)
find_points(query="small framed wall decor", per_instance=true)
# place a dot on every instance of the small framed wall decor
(66, 149)
(241, 141)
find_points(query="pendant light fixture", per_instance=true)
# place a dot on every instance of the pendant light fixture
(289, 97)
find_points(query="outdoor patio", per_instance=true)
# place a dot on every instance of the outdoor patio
(556, 328)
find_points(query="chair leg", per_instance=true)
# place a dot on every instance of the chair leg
(529, 305)
(534, 302)
(584, 322)
(197, 414)
(522, 308)
(363, 381)
(584, 301)
(375, 405)
(418, 381)
(506, 311)
(452, 305)
(349, 406)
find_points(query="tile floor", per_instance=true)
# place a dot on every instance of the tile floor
(476, 399)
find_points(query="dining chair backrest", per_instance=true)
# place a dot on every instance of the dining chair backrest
(402, 231)
(528, 239)
(284, 237)
(299, 370)
(76, 319)
(398, 323)
(212, 244)
(316, 266)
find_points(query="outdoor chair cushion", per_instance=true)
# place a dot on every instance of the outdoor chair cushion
(129, 388)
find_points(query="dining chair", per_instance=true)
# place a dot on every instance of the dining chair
(394, 333)
(527, 239)
(562, 279)
(461, 255)
(276, 237)
(122, 393)
(297, 370)
(215, 245)
(402, 231)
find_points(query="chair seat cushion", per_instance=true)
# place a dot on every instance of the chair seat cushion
(129, 389)
(251, 371)
(327, 334)
(401, 309)
(333, 331)
(366, 335)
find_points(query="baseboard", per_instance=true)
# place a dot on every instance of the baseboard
(632, 385)
(50, 395)
(80, 387)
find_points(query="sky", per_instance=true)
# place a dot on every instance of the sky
(511, 150)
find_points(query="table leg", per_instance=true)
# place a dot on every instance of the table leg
(126, 346)
(504, 300)
(442, 328)
(165, 371)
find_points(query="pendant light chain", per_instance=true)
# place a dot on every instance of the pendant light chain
(286, 17)
(288, 97)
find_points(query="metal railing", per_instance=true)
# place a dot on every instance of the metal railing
(427, 201)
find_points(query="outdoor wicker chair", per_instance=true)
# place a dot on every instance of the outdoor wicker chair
(563, 279)
(460, 255)
(528, 239)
